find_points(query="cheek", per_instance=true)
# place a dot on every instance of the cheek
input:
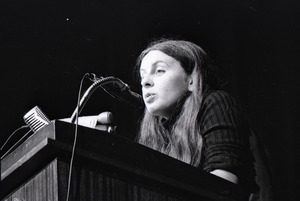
(172, 93)
(176, 87)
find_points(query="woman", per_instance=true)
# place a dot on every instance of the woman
(188, 117)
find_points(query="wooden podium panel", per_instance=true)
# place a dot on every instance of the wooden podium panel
(106, 167)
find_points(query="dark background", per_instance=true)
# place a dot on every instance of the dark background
(47, 46)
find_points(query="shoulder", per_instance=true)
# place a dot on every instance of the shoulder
(219, 110)
(219, 101)
(219, 97)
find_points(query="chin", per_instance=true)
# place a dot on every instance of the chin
(156, 112)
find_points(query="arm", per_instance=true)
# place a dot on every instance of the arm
(223, 139)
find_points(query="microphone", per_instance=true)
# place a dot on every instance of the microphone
(114, 87)
(120, 91)
(104, 118)
(36, 119)
(102, 121)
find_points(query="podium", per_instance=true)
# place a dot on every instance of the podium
(106, 167)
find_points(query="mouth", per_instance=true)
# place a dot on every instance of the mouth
(149, 97)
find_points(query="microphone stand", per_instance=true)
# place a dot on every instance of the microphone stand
(98, 82)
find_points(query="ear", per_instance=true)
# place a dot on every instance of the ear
(190, 84)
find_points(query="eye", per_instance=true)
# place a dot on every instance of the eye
(142, 75)
(141, 81)
(160, 71)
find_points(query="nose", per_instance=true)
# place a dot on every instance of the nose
(147, 81)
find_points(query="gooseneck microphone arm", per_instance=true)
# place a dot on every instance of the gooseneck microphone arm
(113, 86)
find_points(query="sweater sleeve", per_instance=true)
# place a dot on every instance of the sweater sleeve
(224, 135)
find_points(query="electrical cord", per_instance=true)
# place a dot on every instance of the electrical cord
(75, 140)
(11, 135)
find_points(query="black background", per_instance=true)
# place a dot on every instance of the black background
(47, 46)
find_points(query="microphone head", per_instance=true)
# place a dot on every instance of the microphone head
(105, 118)
(36, 119)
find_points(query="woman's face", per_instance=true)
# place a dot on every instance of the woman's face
(163, 81)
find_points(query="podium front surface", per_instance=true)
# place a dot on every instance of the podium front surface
(106, 167)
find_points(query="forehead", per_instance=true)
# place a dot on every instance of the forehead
(154, 57)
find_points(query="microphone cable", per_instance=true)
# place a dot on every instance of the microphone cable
(11, 135)
(75, 139)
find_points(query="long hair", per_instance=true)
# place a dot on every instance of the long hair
(180, 136)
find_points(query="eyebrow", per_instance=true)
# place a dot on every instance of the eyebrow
(154, 65)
